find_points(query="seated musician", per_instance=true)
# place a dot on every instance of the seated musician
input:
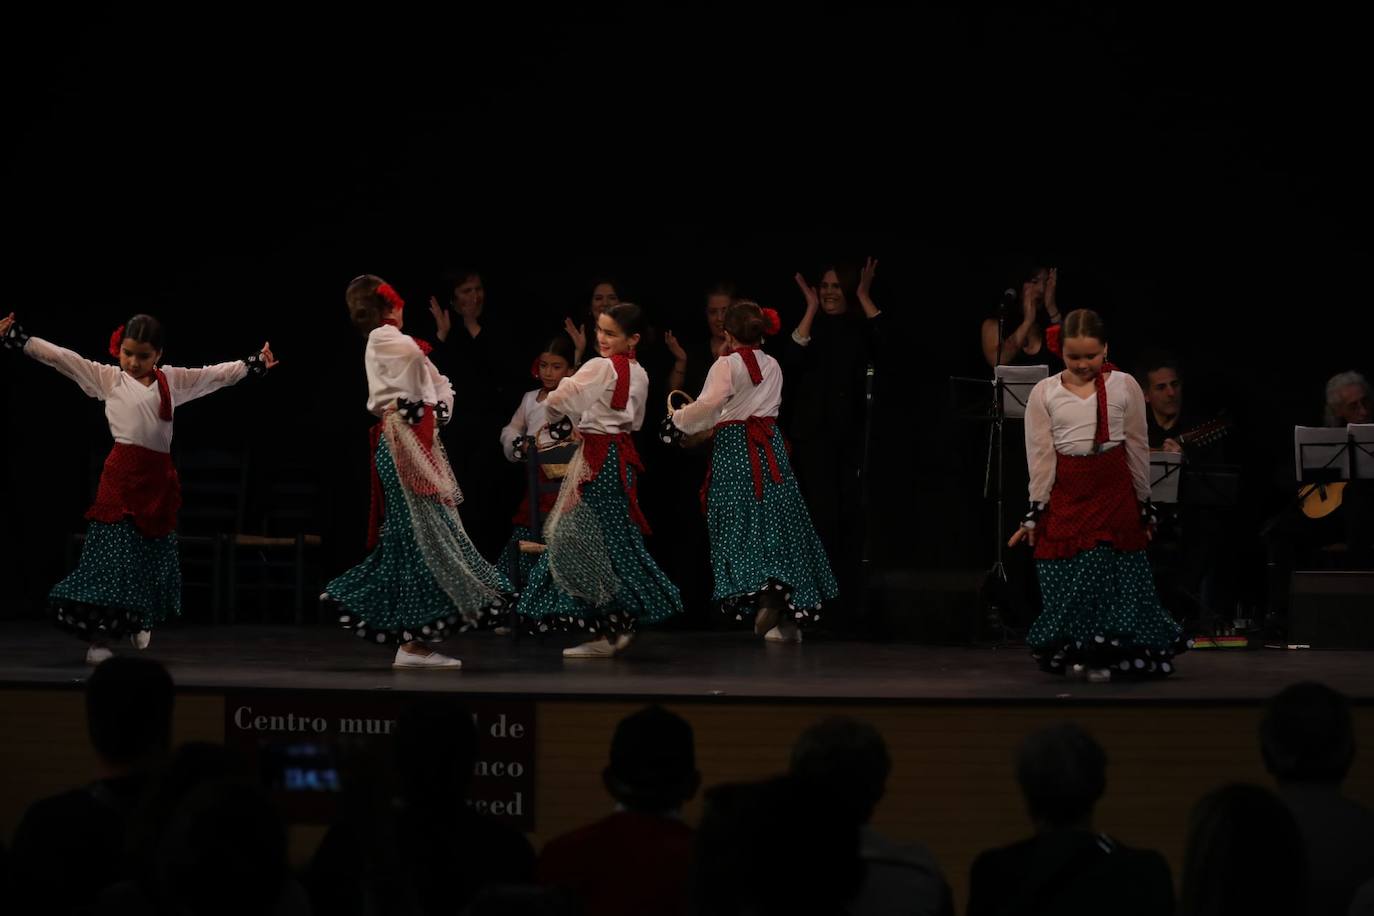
(1330, 525)
(1195, 549)
(1171, 428)
(1348, 399)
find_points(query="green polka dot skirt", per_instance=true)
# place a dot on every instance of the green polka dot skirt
(391, 596)
(644, 596)
(512, 560)
(1102, 611)
(124, 583)
(767, 544)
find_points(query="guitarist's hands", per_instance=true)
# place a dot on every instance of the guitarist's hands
(1171, 445)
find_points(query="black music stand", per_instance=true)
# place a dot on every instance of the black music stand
(1010, 388)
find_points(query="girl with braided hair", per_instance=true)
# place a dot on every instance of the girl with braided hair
(1090, 517)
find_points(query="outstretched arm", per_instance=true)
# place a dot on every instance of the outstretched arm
(189, 384)
(96, 379)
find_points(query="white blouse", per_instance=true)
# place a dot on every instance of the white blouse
(530, 417)
(729, 394)
(397, 368)
(586, 397)
(131, 407)
(1059, 421)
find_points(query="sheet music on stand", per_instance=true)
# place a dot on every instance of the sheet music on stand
(1362, 442)
(1321, 454)
(1164, 476)
(1017, 382)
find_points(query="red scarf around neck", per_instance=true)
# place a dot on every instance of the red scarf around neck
(751, 361)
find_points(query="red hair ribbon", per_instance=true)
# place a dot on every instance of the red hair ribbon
(116, 339)
(772, 322)
(392, 298)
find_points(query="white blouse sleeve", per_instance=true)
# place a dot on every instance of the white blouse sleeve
(1137, 438)
(97, 380)
(1040, 455)
(703, 413)
(189, 384)
(640, 406)
(578, 392)
(440, 386)
(512, 431)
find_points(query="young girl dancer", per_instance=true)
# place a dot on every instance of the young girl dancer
(768, 564)
(424, 579)
(128, 581)
(1090, 517)
(596, 577)
(555, 363)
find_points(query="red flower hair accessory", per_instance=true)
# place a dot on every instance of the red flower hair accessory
(116, 339)
(392, 298)
(772, 322)
(1054, 341)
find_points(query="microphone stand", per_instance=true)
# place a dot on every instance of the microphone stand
(994, 586)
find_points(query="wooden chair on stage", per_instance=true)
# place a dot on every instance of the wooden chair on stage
(214, 491)
(276, 558)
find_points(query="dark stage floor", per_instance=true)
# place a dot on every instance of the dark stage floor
(672, 665)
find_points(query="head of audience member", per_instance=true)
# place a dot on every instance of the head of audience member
(191, 765)
(1307, 736)
(846, 759)
(435, 751)
(775, 847)
(129, 713)
(1244, 855)
(653, 766)
(1062, 771)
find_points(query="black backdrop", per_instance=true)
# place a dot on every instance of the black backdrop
(1198, 178)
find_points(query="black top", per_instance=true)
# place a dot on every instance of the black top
(700, 359)
(1339, 836)
(823, 382)
(71, 846)
(490, 374)
(1043, 357)
(442, 856)
(1068, 872)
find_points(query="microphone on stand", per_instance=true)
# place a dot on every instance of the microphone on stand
(1008, 300)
